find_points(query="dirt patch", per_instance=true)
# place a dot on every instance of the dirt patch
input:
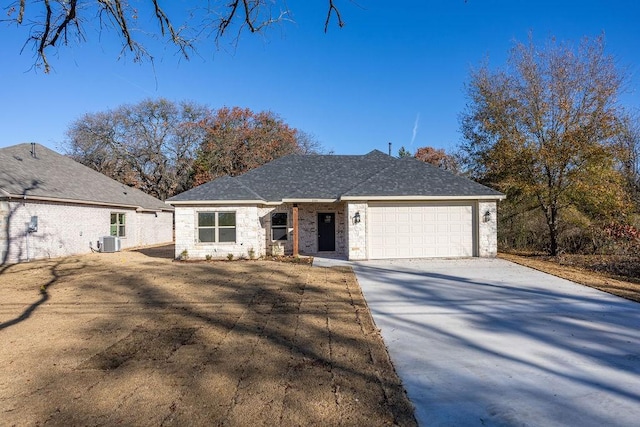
(615, 276)
(141, 344)
(134, 338)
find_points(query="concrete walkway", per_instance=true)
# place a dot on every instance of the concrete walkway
(488, 342)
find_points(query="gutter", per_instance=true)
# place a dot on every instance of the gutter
(218, 202)
(421, 198)
(310, 200)
(81, 202)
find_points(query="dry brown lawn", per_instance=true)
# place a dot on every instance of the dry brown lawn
(134, 338)
(615, 275)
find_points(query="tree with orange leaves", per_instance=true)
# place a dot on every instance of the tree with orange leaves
(437, 157)
(238, 140)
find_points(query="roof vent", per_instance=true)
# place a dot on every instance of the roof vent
(33, 150)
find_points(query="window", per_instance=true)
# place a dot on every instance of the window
(217, 227)
(279, 226)
(117, 225)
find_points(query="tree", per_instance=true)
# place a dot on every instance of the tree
(150, 145)
(437, 157)
(629, 145)
(308, 143)
(403, 152)
(542, 130)
(238, 140)
(52, 23)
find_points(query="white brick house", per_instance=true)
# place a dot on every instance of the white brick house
(71, 207)
(354, 207)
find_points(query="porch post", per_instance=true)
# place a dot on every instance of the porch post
(295, 230)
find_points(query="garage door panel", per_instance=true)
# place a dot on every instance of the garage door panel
(413, 230)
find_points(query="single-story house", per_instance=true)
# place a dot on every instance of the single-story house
(371, 206)
(52, 206)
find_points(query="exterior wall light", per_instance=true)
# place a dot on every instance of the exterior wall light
(356, 218)
(486, 217)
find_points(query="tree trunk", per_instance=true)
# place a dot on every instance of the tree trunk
(552, 222)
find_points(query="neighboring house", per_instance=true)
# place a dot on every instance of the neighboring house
(356, 207)
(52, 206)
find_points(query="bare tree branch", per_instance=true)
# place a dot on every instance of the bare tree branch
(71, 15)
(333, 10)
(21, 13)
(45, 36)
(51, 21)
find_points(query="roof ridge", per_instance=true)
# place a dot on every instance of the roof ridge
(251, 190)
(362, 182)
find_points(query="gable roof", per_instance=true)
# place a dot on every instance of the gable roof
(371, 176)
(50, 176)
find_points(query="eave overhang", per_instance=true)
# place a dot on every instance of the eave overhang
(422, 198)
(310, 200)
(217, 202)
(80, 202)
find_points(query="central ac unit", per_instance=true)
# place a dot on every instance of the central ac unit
(110, 244)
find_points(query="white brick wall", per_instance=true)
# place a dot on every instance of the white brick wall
(4, 226)
(152, 228)
(66, 229)
(487, 231)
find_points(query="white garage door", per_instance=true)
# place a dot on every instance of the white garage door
(418, 230)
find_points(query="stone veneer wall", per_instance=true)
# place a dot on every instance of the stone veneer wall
(249, 232)
(357, 233)
(308, 227)
(487, 231)
(280, 247)
(253, 230)
(67, 229)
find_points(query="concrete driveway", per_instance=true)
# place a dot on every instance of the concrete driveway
(488, 342)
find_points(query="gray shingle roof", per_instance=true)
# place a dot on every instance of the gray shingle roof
(297, 177)
(227, 188)
(50, 175)
(411, 177)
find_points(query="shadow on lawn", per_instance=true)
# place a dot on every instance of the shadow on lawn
(161, 252)
(234, 343)
(57, 270)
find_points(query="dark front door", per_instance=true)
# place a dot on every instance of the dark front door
(326, 232)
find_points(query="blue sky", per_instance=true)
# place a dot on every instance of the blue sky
(395, 73)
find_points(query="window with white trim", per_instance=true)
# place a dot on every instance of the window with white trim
(216, 227)
(117, 227)
(279, 226)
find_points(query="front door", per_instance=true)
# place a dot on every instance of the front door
(326, 232)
